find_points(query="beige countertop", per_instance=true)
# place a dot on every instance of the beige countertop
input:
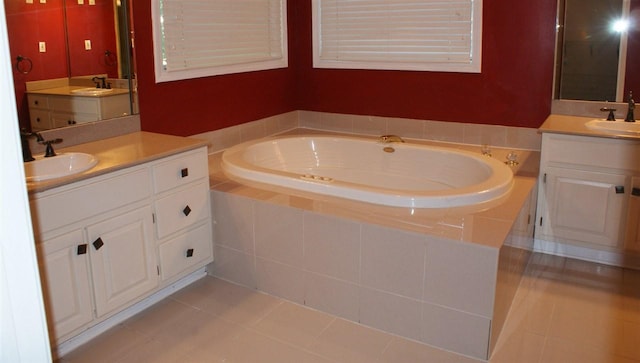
(68, 91)
(576, 125)
(121, 152)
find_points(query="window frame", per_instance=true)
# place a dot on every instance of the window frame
(474, 66)
(163, 75)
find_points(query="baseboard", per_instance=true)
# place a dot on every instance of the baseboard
(587, 254)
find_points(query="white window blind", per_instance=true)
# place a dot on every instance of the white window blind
(197, 38)
(441, 35)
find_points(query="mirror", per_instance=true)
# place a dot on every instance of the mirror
(596, 40)
(67, 43)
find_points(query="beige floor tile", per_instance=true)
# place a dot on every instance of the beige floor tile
(345, 341)
(249, 347)
(406, 351)
(562, 351)
(108, 347)
(519, 346)
(564, 311)
(153, 352)
(295, 324)
(230, 302)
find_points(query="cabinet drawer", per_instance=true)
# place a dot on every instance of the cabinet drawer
(591, 151)
(181, 170)
(39, 119)
(38, 101)
(186, 252)
(75, 104)
(182, 209)
(57, 209)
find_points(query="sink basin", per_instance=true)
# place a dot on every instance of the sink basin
(58, 166)
(91, 91)
(619, 127)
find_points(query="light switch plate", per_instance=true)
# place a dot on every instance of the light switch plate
(87, 44)
(80, 2)
(92, 2)
(42, 47)
(29, 1)
(43, 1)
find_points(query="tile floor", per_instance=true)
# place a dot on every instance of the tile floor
(564, 311)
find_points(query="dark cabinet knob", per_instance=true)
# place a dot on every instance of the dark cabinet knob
(186, 211)
(184, 172)
(36, 103)
(97, 244)
(190, 252)
(82, 249)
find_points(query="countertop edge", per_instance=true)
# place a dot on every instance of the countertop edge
(108, 163)
(575, 125)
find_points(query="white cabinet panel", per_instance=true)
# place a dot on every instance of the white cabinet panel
(180, 171)
(122, 259)
(182, 209)
(64, 266)
(185, 252)
(585, 206)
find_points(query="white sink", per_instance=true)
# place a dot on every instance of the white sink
(619, 127)
(58, 166)
(90, 91)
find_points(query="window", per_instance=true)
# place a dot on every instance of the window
(425, 35)
(200, 38)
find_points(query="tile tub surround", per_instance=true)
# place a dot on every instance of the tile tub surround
(496, 136)
(442, 277)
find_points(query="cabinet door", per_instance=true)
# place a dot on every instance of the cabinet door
(64, 267)
(123, 259)
(632, 242)
(585, 206)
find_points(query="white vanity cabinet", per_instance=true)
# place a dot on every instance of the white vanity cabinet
(586, 192)
(99, 245)
(182, 212)
(53, 111)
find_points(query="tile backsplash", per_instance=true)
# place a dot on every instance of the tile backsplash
(466, 133)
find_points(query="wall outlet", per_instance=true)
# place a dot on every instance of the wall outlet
(87, 44)
(80, 2)
(43, 1)
(92, 2)
(42, 47)
(29, 1)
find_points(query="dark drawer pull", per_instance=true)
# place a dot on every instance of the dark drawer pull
(82, 249)
(184, 172)
(635, 192)
(619, 189)
(190, 252)
(186, 211)
(97, 244)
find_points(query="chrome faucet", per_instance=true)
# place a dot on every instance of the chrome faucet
(632, 105)
(387, 139)
(26, 151)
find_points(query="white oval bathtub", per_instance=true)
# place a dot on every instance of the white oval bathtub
(412, 175)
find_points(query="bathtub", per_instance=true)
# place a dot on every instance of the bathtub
(367, 170)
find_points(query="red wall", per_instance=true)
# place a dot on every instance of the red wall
(28, 24)
(513, 89)
(204, 104)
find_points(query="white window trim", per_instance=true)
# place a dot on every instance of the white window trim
(475, 66)
(162, 75)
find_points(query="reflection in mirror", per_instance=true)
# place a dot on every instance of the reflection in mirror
(59, 48)
(592, 52)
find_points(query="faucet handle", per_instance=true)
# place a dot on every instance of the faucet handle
(611, 116)
(49, 150)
